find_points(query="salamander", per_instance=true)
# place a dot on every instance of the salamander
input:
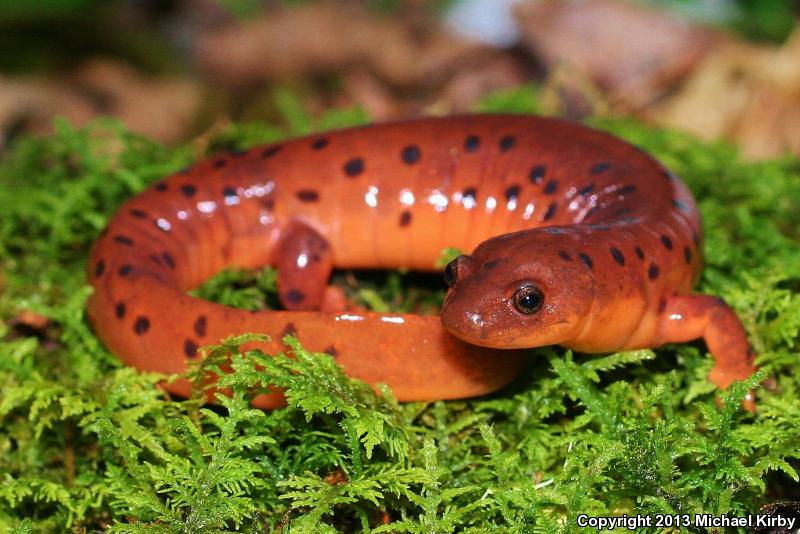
(578, 239)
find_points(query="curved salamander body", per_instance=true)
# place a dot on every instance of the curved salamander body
(579, 239)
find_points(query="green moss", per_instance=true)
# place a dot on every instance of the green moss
(86, 444)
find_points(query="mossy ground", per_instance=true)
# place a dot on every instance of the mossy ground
(89, 445)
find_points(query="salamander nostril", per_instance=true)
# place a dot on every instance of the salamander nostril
(451, 271)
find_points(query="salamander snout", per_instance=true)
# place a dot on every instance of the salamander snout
(507, 294)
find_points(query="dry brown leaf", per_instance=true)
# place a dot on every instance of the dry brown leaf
(633, 53)
(364, 89)
(569, 93)
(747, 93)
(290, 43)
(160, 108)
(30, 104)
(472, 82)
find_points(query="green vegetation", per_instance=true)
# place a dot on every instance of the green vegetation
(88, 445)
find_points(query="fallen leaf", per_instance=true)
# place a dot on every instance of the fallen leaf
(633, 53)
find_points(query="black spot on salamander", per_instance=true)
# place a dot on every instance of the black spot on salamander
(268, 203)
(125, 270)
(472, 143)
(307, 195)
(354, 167)
(551, 211)
(564, 255)
(201, 326)
(626, 190)
(219, 163)
(188, 190)
(290, 330)
(653, 271)
(639, 252)
(99, 268)
(586, 260)
(662, 305)
(507, 143)
(229, 191)
(469, 193)
(168, 259)
(600, 167)
(190, 348)
(331, 350)
(270, 151)
(160, 186)
(600, 227)
(667, 242)
(537, 174)
(687, 255)
(512, 192)
(141, 325)
(669, 175)
(617, 254)
(119, 310)
(320, 143)
(410, 154)
(405, 218)
(123, 240)
(139, 214)
(553, 230)
(680, 205)
(237, 152)
(585, 190)
(551, 187)
(295, 296)
(695, 239)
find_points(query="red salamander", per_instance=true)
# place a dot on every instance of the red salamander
(578, 238)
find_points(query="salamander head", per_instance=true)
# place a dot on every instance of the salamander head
(515, 292)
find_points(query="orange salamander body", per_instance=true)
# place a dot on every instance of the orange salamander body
(578, 238)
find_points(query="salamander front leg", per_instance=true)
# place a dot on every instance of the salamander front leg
(689, 317)
(305, 260)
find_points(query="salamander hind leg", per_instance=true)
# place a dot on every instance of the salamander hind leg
(690, 317)
(304, 260)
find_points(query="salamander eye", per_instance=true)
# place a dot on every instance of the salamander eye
(451, 272)
(528, 299)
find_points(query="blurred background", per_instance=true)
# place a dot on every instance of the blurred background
(176, 70)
